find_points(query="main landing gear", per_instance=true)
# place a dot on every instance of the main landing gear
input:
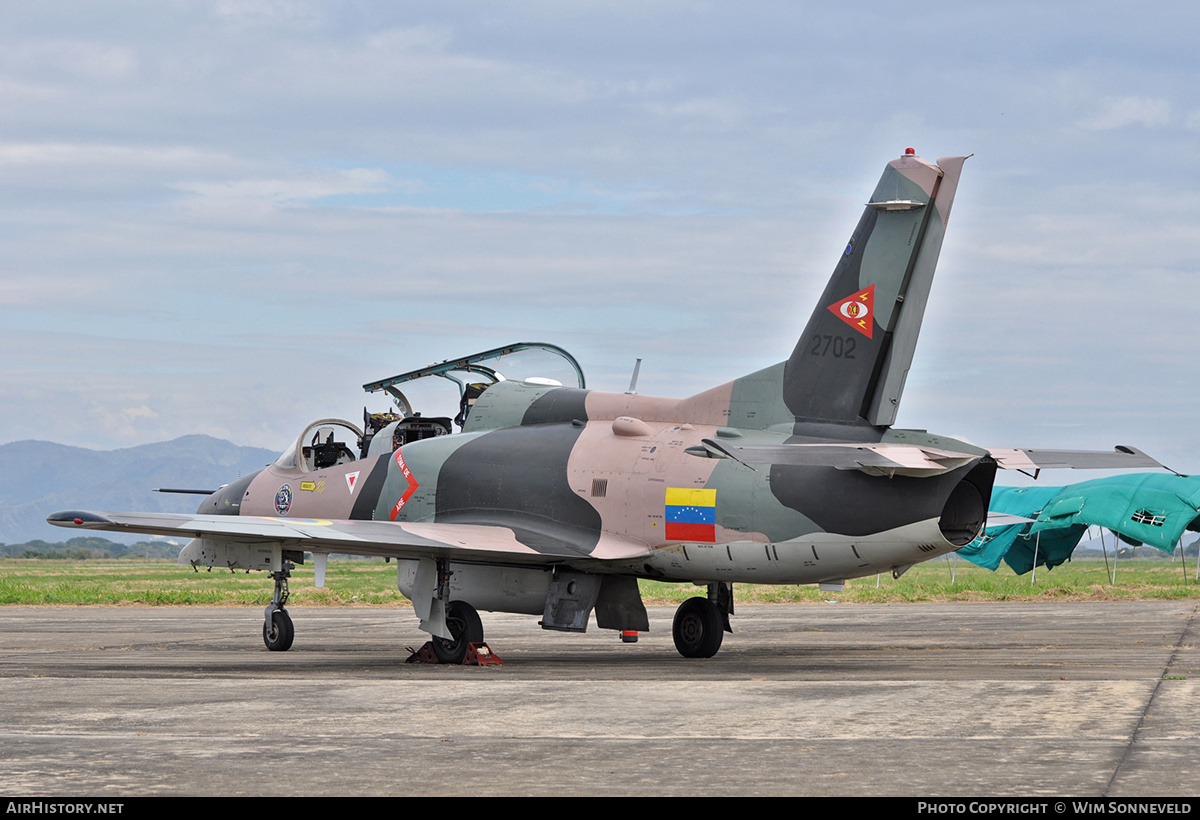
(465, 644)
(701, 623)
(278, 631)
(454, 626)
(462, 620)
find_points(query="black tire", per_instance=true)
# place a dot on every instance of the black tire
(463, 622)
(698, 628)
(279, 635)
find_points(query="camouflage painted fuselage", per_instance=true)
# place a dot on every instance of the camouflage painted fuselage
(560, 466)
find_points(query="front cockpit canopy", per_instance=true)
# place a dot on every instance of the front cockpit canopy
(324, 443)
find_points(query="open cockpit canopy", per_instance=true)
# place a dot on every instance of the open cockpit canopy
(524, 361)
(443, 408)
(324, 443)
(330, 442)
(535, 362)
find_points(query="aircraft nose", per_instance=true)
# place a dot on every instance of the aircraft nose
(228, 499)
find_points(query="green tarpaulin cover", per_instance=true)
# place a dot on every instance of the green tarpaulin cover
(1143, 508)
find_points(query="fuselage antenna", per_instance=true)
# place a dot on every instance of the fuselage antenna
(633, 381)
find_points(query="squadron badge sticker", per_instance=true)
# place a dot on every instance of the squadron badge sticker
(283, 499)
(856, 310)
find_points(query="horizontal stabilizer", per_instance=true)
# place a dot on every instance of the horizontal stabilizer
(886, 459)
(1018, 458)
(1000, 519)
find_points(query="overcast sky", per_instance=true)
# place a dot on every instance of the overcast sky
(225, 217)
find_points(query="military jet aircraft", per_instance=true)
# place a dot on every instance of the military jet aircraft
(553, 500)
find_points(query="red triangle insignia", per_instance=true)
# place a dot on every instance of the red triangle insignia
(857, 310)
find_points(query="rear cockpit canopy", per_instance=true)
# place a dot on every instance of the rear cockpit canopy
(533, 362)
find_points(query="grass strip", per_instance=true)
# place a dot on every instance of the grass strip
(142, 582)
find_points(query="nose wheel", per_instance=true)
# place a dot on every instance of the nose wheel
(278, 632)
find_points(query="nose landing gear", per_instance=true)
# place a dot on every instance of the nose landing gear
(278, 631)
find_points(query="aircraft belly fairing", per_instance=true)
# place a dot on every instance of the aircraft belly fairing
(554, 498)
(819, 557)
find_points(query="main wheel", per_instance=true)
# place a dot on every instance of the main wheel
(697, 628)
(279, 635)
(463, 622)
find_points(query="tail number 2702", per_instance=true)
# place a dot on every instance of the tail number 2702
(840, 347)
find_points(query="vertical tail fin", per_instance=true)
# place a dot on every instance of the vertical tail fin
(850, 365)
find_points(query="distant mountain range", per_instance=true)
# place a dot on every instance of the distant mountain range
(41, 477)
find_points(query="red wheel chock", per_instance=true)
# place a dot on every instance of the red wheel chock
(478, 654)
(422, 655)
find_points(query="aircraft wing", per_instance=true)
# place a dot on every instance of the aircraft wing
(460, 542)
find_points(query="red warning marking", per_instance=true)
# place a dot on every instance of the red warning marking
(412, 485)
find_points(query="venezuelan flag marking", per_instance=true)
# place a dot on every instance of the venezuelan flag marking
(691, 515)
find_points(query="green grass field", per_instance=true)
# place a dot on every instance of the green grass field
(125, 582)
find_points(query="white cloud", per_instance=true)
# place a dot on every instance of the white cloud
(108, 155)
(67, 61)
(1120, 112)
(140, 412)
(309, 186)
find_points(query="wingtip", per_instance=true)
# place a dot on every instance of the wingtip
(77, 518)
(1149, 461)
